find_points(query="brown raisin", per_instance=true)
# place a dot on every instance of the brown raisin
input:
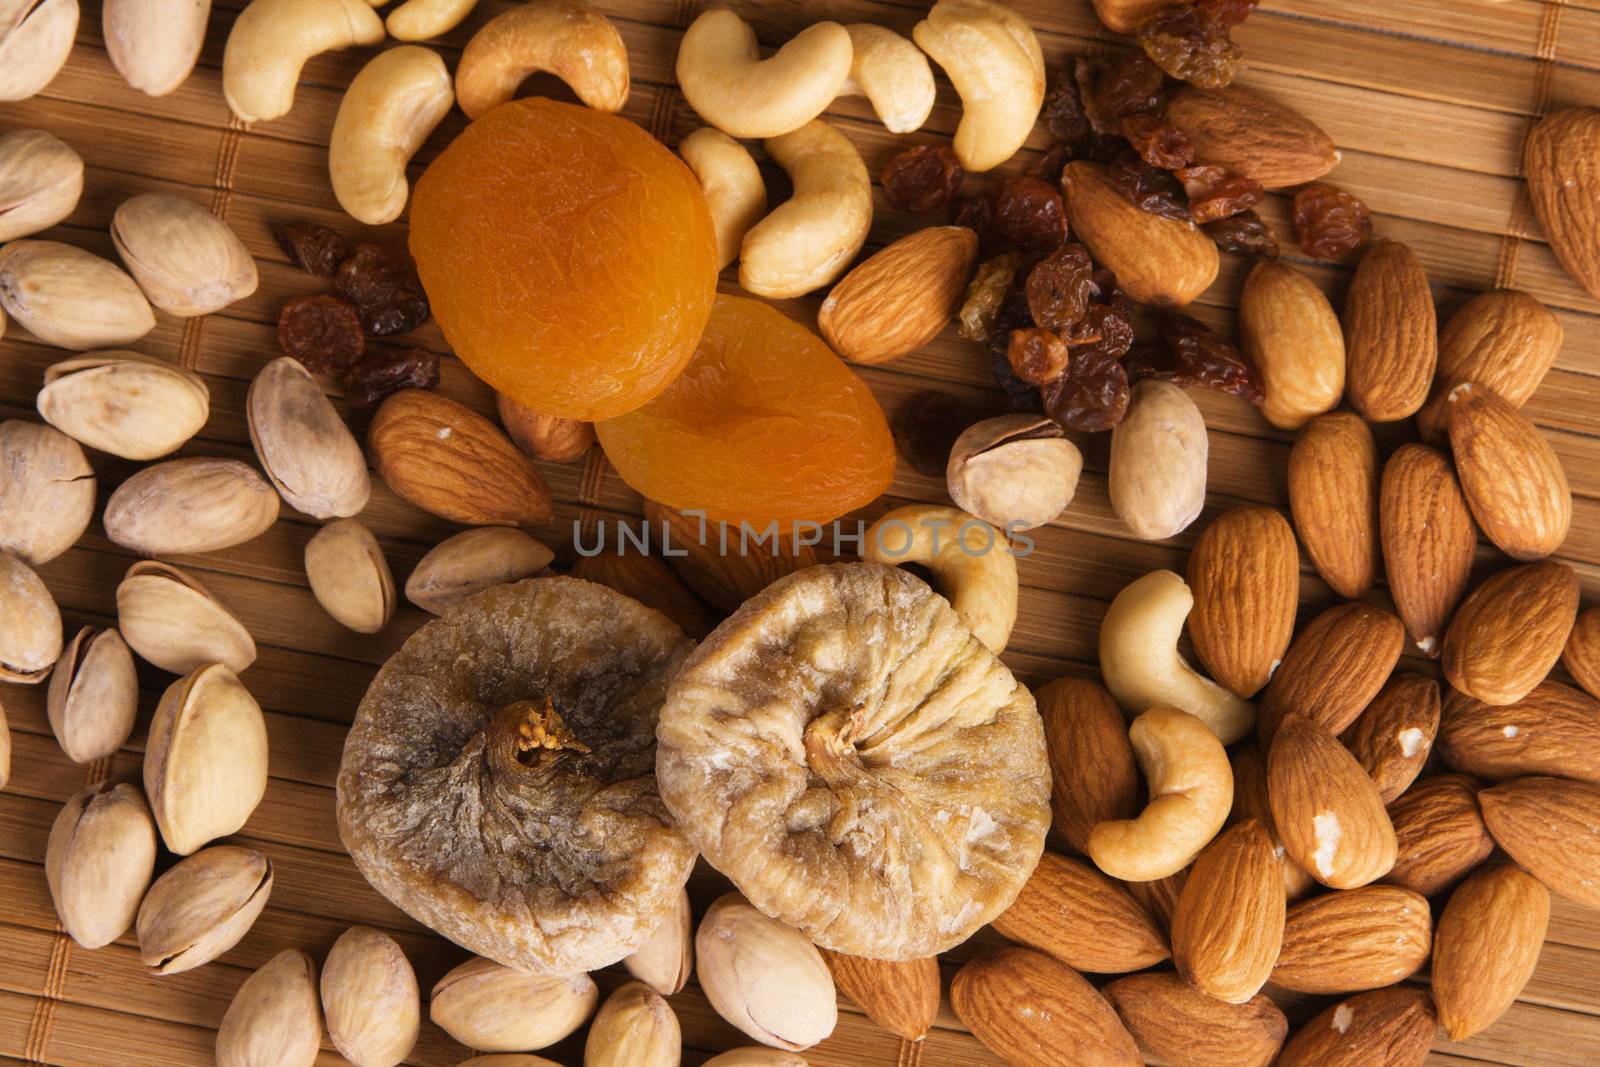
(1191, 354)
(976, 213)
(1158, 142)
(1053, 162)
(386, 371)
(1114, 89)
(926, 424)
(1245, 234)
(1191, 41)
(1148, 188)
(323, 332)
(1216, 193)
(1058, 287)
(1037, 355)
(987, 291)
(923, 180)
(1062, 112)
(382, 283)
(1092, 395)
(313, 246)
(1330, 222)
(1105, 328)
(1013, 315)
(1028, 213)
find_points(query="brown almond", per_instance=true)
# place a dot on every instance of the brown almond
(1290, 332)
(1512, 478)
(1562, 162)
(1487, 946)
(1333, 494)
(1439, 833)
(1157, 260)
(723, 579)
(544, 436)
(1581, 656)
(898, 299)
(1510, 631)
(1229, 923)
(1551, 826)
(1390, 334)
(1384, 1028)
(1030, 1008)
(1392, 737)
(1083, 918)
(652, 583)
(1176, 1023)
(1428, 541)
(1504, 340)
(1160, 897)
(1327, 811)
(1094, 777)
(902, 996)
(1553, 730)
(1354, 939)
(1333, 669)
(1244, 573)
(1250, 801)
(1254, 136)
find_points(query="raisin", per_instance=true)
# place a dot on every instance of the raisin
(1053, 162)
(313, 246)
(1193, 355)
(923, 180)
(1158, 142)
(383, 285)
(1092, 395)
(1245, 234)
(323, 332)
(387, 371)
(976, 213)
(1028, 213)
(1329, 221)
(1037, 355)
(1216, 193)
(926, 425)
(1013, 315)
(1105, 328)
(1191, 41)
(985, 295)
(1114, 89)
(1058, 287)
(1149, 188)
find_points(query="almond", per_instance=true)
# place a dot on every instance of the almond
(1289, 330)
(899, 299)
(1562, 161)
(1028, 1007)
(448, 460)
(1245, 575)
(1581, 656)
(1327, 811)
(1510, 631)
(900, 996)
(1094, 777)
(544, 436)
(1391, 739)
(723, 579)
(1428, 541)
(651, 582)
(1160, 897)
(1487, 946)
(1250, 802)
(1333, 669)
(1504, 340)
(1551, 826)
(1254, 136)
(1354, 939)
(1229, 923)
(1513, 481)
(1083, 918)
(1333, 494)
(1390, 334)
(1383, 1028)
(1176, 1023)
(1439, 833)
(1554, 730)
(1157, 260)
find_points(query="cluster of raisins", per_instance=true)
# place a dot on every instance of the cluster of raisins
(1192, 354)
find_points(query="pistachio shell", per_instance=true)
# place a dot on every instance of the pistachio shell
(305, 448)
(1014, 472)
(94, 695)
(176, 623)
(508, 1059)
(124, 403)
(471, 562)
(35, 40)
(495, 1009)
(98, 863)
(756, 1057)
(370, 998)
(190, 505)
(764, 977)
(273, 1020)
(665, 961)
(202, 907)
(154, 43)
(71, 298)
(30, 623)
(41, 178)
(46, 491)
(187, 261)
(350, 577)
(635, 1027)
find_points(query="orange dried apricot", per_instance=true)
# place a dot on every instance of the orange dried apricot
(766, 423)
(568, 255)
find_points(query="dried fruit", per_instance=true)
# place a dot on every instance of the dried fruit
(1062, 112)
(1562, 182)
(1217, 193)
(1513, 479)
(1147, 187)
(1394, 734)
(926, 425)
(1083, 918)
(1253, 135)
(923, 180)
(1329, 222)
(1158, 142)
(1092, 394)
(1192, 354)
(976, 213)
(1092, 772)
(1059, 287)
(980, 311)
(1333, 493)
(381, 373)
(1031, 1008)
(1553, 730)
(1510, 631)
(323, 332)
(1439, 833)
(1028, 213)
(1551, 826)
(1245, 575)
(1354, 939)
(1114, 89)
(1243, 234)
(1333, 668)
(383, 285)
(1390, 334)
(1037, 355)
(1486, 948)
(1176, 1023)
(1190, 41)
(315, 247)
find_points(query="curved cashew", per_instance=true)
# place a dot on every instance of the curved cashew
(1142, 667)
(418, 20)
(732, 183)
(893, 74)
(388, 111)
(1191, 793)
(272, 39)
(993, 59)
(970, 558)
(727, 82)
(810, 239)
(567, 38)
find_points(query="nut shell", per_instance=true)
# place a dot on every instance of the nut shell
(273, 1020)
(127, 404)
(370, 998)
(41, 179)
(497, 1009)
(349, 576)
(46, 491)
(1014, 472)
(1158, 461)
(94, 695)
(71, 298)
(304, 446)
(30, 623)
(187, 261)
(173, 621)
(99, 861)
(202, 907)
(190, 506)
(635, 1027)
(764, 977)
(664, 962)
(472, 561)
(154, 43)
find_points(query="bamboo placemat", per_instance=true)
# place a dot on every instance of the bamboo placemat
(1430, 101)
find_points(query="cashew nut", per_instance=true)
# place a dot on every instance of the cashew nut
(993, 59)
(732, 183)
(893, 74)
(810, 239)
(971, 560)
(35, 40)
(726, 81)
(272, 39)
(567, 38)
(388, 111)
(1142, 667)
(418, 20)
(1191, 792)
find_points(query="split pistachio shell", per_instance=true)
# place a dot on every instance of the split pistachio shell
(173, 621)
(46, 491)
(304, 446)
(1014, 472)
(471, 562)
(124, 403)
(273, 1020)
(635, 1027)
(370, 998)
(41, 179)
(205, 765)
(71, 298)
(35, 40)
(154, 43)
(99, 861)
(756, 1057)
(94, 695)
(187, 261)
(190, 505)
(202, 907)
(764, 977)
(349, 576)
(665, 961)
(496, 1009)
(30, 623)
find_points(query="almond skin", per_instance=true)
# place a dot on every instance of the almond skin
(901, 997)
(544, 436)
(1030, 1008)
(1174, 1022)
(1562, 161)
(1250, 801)
(1391, 739)
(1551, 826)
(1390, 334)
(1254, 136)
(1083, 918)
(1327, 811)
(1510, 631)
(1333, 669)
(1581, 656)
(1439, 833)
(1244, 573)
(899, 299)
(1333, 494)
(1157, 260)
(1512, 478)
(1289, 330)
(1094, 777)
(1487, 946)
(1357, 939)
(1384, 1028)
(1428, 541)
(1229, 923)
(1504, 340)
(1553, 730)
(1160, 897)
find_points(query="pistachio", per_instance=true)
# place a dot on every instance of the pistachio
(305, 448)
(764, 977)
(190, 505)
(5, 748)
(94, 695)
(124, 403)
(756, 1057)
(1014, 472)
(154, 43)
(471, 562)
(35, 40)
(176, 623)
(46, 491)
(664, 962)
(495, 1009)
(71, 298)
(370, 998)
(98, 863)
(202, 907)
(187, 261)
(509, 1059)
(273, 1020)
(205, 764)
(635, 1027)
(30, 623)
(41, 179)
(349, 576)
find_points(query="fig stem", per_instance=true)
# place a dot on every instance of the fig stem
(540, 729)
(830, 744)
